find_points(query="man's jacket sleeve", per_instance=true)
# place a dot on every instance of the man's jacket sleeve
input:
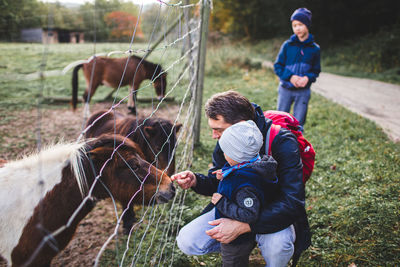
(287, 207)
(208, 184)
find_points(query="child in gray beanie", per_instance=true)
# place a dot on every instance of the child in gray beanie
(241, 142)
(246, 182)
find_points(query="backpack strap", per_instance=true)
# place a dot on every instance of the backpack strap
(271, 133)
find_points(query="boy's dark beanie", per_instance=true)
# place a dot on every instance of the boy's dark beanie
(303, 15)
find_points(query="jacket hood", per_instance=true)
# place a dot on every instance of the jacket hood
(295, 39)
(266, 168)
(262, 124)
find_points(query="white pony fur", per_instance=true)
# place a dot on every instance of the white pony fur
(23, 183)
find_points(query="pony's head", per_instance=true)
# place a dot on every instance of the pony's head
(160, 84)
(126, 175)
(157, 138)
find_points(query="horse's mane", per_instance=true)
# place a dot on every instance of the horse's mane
(155, 68)
(54, 154)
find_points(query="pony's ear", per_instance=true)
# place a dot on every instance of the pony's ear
(97, 153)
(178, 126)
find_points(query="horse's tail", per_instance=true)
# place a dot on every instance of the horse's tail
(75, 86)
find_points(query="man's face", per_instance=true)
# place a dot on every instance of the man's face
(218, 126)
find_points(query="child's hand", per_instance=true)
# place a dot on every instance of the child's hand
(302, 82)
(215, 198)
(294, 80)
(185, 179)
(218, 173)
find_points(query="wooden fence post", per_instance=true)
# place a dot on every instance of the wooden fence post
(205, 15)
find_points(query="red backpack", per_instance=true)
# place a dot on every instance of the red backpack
(286, 120)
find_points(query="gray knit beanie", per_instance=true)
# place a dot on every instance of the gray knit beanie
(242, 141)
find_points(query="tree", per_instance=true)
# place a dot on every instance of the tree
(332, 20)
(17, 14)
(93, 18)
(122, 24)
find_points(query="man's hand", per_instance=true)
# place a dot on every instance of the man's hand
(227, 230)
(215, 198)
(185, 179)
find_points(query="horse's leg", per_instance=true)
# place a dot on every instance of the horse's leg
(90, 89)
(132, 99)
(128, 219)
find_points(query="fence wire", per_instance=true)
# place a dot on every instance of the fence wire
(151, 241)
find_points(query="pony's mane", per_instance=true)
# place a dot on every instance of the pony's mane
(53, 153)
(156, 68)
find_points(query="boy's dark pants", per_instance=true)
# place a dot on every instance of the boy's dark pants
(237, 254)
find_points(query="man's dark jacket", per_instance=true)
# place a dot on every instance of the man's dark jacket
(288, 206)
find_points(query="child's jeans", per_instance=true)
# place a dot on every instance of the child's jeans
(276, 248)
(300, 97)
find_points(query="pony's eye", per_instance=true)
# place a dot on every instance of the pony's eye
(135, 167)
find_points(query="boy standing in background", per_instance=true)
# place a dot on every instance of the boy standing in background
(297, 66)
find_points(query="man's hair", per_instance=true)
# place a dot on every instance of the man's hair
(231, 105)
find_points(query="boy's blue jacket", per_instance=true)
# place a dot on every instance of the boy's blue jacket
(298, 58)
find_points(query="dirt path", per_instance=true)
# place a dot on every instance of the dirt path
(377, 101)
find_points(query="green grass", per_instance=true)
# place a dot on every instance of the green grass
(18, 60)
(352, 196)
(374, 56)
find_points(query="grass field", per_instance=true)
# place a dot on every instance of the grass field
(352, 197)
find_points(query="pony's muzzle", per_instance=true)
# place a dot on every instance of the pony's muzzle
(163, 196)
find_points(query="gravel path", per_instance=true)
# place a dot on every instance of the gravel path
(377, 101)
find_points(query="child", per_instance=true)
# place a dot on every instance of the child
(297, 65)
(246, 181)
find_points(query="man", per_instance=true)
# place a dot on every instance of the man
(282, 221)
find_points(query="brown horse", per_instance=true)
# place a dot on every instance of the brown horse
(155, 136)
(110, 72)
(40, 194)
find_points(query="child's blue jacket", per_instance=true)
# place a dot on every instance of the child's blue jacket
(298, 58)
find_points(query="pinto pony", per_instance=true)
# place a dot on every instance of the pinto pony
(40, 193)
(155, 136)
(112, 72)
